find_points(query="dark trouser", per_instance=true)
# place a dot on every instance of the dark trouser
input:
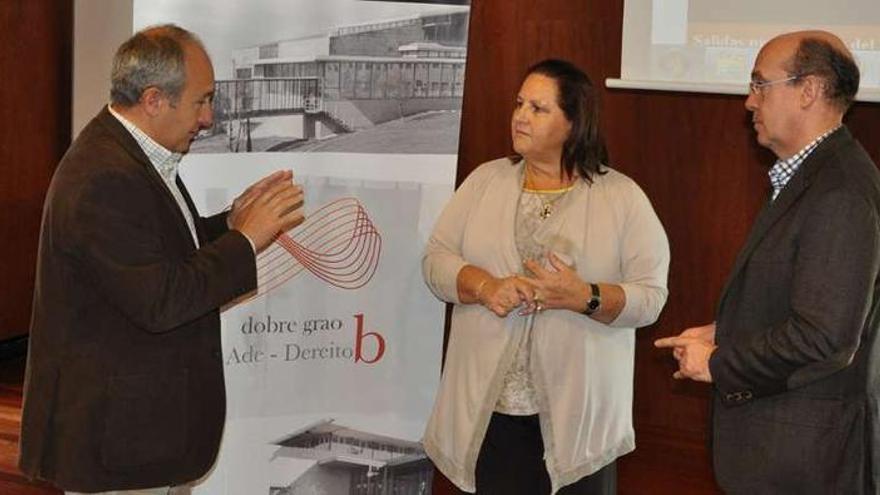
(511, 462)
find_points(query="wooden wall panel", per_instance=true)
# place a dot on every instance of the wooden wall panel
(35, 36)
(696, 158)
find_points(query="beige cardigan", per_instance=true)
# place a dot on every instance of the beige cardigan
(583, 369)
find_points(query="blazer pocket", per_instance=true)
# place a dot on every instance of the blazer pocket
(803, 410)
(146, 419)
(800, 444)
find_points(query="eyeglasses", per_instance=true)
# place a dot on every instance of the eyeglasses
(757, 87)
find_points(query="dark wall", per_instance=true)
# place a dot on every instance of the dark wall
(35, 36)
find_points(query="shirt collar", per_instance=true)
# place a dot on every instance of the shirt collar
(784, 169)
(165, 161)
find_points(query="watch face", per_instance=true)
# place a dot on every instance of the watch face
(595, 300)
(592, 306)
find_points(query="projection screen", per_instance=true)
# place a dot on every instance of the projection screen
(710, 45)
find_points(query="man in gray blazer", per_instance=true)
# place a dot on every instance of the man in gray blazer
(124, 386)
(793, 353)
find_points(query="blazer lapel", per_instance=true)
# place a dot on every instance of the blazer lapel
(200, 233)
(788, 197)
(124, 138)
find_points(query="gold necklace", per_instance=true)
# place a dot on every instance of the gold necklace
(546, 206)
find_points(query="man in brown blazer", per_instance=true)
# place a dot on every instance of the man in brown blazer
(124, 387)
(793, 354)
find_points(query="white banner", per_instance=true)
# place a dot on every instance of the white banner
(332, 365)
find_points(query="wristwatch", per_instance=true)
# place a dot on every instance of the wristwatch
(595, 300)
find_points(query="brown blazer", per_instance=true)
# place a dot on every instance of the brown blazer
(124, 385)
(796, 372)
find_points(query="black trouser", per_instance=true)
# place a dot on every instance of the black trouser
(511, 462)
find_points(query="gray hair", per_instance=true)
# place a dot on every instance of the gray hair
(152, 57)
(816, 56)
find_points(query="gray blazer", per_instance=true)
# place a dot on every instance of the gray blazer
(795, 407)
(124, 386)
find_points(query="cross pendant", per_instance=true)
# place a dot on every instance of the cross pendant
(545, 212)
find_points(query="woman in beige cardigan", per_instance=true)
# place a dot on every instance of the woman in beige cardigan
(552, 260)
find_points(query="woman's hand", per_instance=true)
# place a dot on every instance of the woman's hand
(562, 288)
(503, 295)
(559, 288)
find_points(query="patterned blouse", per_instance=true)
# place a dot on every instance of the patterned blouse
(518, 396)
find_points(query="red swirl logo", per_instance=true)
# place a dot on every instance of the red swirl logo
(337, 243)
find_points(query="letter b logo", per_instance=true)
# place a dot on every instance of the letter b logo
(360, 335)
